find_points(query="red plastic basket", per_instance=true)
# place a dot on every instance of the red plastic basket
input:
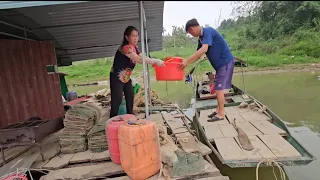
(173, 59)
(171, 71)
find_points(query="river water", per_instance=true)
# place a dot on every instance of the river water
(294, 97)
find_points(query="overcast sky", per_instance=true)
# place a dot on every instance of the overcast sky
(177, 13)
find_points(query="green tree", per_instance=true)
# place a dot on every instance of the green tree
(245, 8)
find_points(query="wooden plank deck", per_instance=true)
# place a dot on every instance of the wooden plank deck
(205, 150)
(90, 165)
(279, 146)
(229, 149)
(231, 110)
(101, 156)
(59, 161)
(211, 129)
(264, 136)
(63, 160)
(186, 140)
(49, 149)
(228, 130)
(251, 155)
(204, 117)
(14, 152)
(254, 116)
(232, 116)
(83, 172)
(263, 150)
(157, 118)
(105, 169)
(267, 127)
(189, 146)
(248, 128)
(81, 157)
(213, 132)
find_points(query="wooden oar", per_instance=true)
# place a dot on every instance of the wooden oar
(243, 138)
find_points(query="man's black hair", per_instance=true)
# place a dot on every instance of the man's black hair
(191, 23)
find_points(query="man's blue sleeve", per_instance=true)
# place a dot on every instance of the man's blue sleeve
(208, 37)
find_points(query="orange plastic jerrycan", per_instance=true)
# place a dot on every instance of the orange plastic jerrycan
(112, 127)
(139, 149)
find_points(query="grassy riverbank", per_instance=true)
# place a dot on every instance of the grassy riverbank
(98, 69)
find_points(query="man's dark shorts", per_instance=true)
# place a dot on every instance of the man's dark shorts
(224, 76)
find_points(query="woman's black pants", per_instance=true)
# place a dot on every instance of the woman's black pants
(116, 88)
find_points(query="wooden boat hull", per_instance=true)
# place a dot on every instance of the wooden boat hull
(237, 98)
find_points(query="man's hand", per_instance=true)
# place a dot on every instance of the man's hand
(183, 65)
(204, 57)
(194, 56)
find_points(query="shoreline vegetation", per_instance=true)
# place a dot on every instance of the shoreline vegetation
(312, 68)
(98, 70)
(271, 36)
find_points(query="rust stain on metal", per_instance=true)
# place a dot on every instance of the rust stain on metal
(26, 89)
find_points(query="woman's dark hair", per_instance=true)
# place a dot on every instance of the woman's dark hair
(127, 32)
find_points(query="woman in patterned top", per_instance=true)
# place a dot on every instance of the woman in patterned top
(124, 62)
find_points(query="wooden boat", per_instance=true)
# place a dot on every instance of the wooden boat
(268, 134)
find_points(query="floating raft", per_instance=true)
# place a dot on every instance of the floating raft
(93, 165)
(88, 165)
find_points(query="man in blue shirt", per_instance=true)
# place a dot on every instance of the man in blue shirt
(218, 53)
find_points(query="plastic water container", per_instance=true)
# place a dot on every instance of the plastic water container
(171, 71)
(122, 108)
(139, 149)
(112, 127)
(72, 95)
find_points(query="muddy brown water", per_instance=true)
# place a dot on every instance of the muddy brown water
(294, 97)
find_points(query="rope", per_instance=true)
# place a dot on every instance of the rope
(269, 163)
(21, 173)
(160, 173)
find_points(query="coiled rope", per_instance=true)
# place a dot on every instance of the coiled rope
(269, 162)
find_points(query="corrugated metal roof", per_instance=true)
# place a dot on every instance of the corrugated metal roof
(89, 30)
(21, 4)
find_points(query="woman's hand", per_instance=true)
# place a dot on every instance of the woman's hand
(158, 62)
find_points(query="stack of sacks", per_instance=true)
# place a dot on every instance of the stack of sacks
(77, 123)
(97, 138)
